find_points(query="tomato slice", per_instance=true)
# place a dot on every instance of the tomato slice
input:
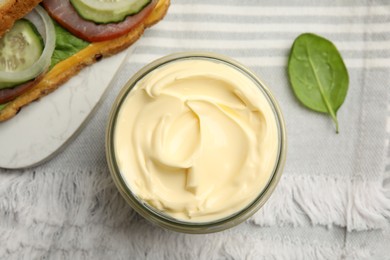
(64, 13)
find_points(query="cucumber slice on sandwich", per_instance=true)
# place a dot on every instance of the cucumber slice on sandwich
(26, 50)
(20, 48)
(108, 11)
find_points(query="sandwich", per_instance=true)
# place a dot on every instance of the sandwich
(44, 43)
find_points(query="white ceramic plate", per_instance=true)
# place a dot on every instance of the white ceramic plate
(44, 127)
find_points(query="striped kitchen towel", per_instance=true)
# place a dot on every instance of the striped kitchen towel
(329, 178)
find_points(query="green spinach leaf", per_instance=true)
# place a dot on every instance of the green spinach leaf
(318, 75)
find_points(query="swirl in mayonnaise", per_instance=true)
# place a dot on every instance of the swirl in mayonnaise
(196, 139)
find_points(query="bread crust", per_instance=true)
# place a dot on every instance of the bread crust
(94, 52)
(12, 10)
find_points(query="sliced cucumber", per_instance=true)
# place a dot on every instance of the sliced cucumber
(20, 48)
(108, 11)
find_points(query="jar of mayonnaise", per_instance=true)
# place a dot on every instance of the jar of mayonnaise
(195, 142)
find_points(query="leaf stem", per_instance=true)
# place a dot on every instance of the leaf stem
(321, 89)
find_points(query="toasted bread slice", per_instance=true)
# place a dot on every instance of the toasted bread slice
(12, 10)
(64, 70)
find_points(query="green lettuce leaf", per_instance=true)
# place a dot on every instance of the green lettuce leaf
(3, 106)
(66, 45)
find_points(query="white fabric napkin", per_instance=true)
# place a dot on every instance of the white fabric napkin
(333, 200)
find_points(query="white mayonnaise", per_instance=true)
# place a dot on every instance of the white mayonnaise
(196, 139)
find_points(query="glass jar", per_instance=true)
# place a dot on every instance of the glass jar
(165, 220)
